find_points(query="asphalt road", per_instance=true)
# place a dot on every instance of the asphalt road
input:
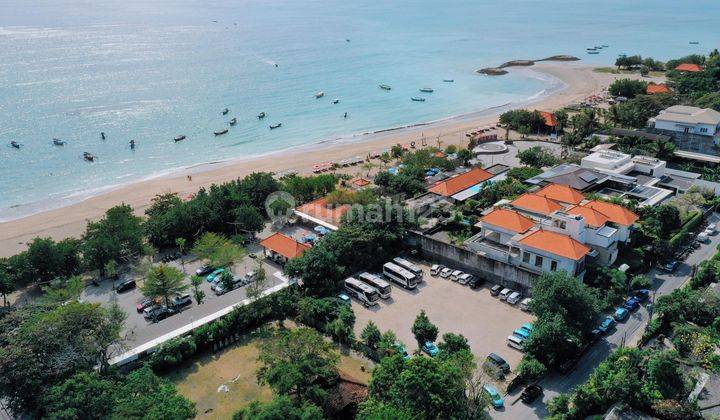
(628, 331)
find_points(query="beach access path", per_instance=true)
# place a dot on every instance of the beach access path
(71, 220)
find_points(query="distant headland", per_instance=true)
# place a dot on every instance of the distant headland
(500, 70)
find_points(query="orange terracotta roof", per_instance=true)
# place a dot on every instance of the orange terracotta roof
(615, 213)
(284, 245)
(556, 243)
(360, 182)
(549, 117)
(536, 204)
(593, 218)
(653, 88)
(561, 193)
(439, 154)
(689, 67)
(508, 219)
(320, 209)
(460, 182)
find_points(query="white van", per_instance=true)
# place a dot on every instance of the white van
(703, 237)
(465, 278)
(456, 275)
(514, 298)
(515, 342)
(435, 269)
(504, 294)
(525, 304)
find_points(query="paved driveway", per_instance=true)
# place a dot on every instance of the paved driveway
(628, 331)
(483, 319)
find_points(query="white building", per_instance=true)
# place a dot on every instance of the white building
(689, 120)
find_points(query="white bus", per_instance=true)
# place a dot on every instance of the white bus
(402, 262)
(367, 295)
(400, 275)
(377, 283)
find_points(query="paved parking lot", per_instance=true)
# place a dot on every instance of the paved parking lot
(482, 318)
(138, 330)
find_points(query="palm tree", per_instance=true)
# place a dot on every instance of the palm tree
(163, 281)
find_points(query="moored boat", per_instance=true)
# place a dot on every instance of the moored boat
(225, 111)
(58, 142)
(319, 95)
(336, 101)
(274, 126)
(233, 121)
(221, 132)
(416, 99)
(261, 115)
(385, 87)
(427, 90)
(88, 156)
(593, 52)
(181, 137)
(694, 42)
(448, 80)
(15, 144)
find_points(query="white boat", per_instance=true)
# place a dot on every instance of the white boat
(274, 126)
(427, 90)
(319, 95)
(233, 121)
(261, 115)
(181, 137)
(221, 132)
(416, 99)
(385, 87)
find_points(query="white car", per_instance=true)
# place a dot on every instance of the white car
(514, 298)
(465, 278)
(703, 237)
(525, 304)
(435, 269)
(456, 275)
(445, 272)
(711, 227)
(504, 294)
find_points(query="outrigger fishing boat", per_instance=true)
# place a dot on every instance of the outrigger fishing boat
(58, 142)
(427, 90)
(274, 126)
(385, 87)
(15, 144)
(225, 111)
(221, 132)
(233, 121)
(88, 156)
(261, 115)
(181, 137)
(448, 80)
(416, 99)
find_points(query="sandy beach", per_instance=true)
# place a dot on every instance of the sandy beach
(580, 80)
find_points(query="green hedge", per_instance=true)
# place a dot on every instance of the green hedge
(692, 222)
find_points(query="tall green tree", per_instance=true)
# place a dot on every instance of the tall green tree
(147, 396)
(371, 335)
(164, 281)
(116, 237)
(423, 329)
(280, 407)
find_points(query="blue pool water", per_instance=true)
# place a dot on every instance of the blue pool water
(150, 70)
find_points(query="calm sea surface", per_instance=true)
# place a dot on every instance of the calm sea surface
(151, 70)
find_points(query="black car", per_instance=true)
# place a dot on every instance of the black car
(203, 270)
(475, 282)
(499, 362)
(125, 286)
(641, 295)
(495, 290)
(162, 313)
(531, 393)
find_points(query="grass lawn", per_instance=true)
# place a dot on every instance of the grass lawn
(235, 368)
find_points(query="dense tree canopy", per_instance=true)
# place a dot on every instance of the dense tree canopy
(116, 237)
(628, 88)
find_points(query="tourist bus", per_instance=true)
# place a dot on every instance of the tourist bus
(400, 275)
(367, 295)
(402, 262)
(377, 283)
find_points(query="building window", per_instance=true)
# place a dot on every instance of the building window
(553, 265)
(703, 130)
(526, 257)
(538, 261)
(561, 224)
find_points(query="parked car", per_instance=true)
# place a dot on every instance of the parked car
(514, 298)
(499, 362)
(525, 304)
(401, 349)
(182, 300)
(203, 270)
(515, 342)
(344, 299)
(250, 276)
(711, 228)
(669, 267)
(162, 313)
(445, 272)
(495, 397)
(631, 304)
(606, 325)
(530, 393)
(475, 282)
(125, 286)
(703, 237)
(641, 295)
(149, 311)
(144, 304)
(430, 349)
(435, 269)
(465, 278)
(215, 274)
(505, 293)
(527, 327)
(621, 314)
(456, 275)
(709, 231)
(495, 290)
(522, 333)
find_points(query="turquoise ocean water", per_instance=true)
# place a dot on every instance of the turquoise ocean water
(150, 70)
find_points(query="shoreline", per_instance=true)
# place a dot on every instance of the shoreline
(569, 83)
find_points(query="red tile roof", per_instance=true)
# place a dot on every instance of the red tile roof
(593, 218)
(549, 117)
(561, 193)
(320, 209)
(284, 245)
(536, 203)
(454, 185)
(360, 182)
(556, 243)
(689, 67)
(653, 88)
(509, 219)
(614, 212)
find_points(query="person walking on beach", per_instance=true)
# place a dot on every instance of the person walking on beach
(189, 178)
